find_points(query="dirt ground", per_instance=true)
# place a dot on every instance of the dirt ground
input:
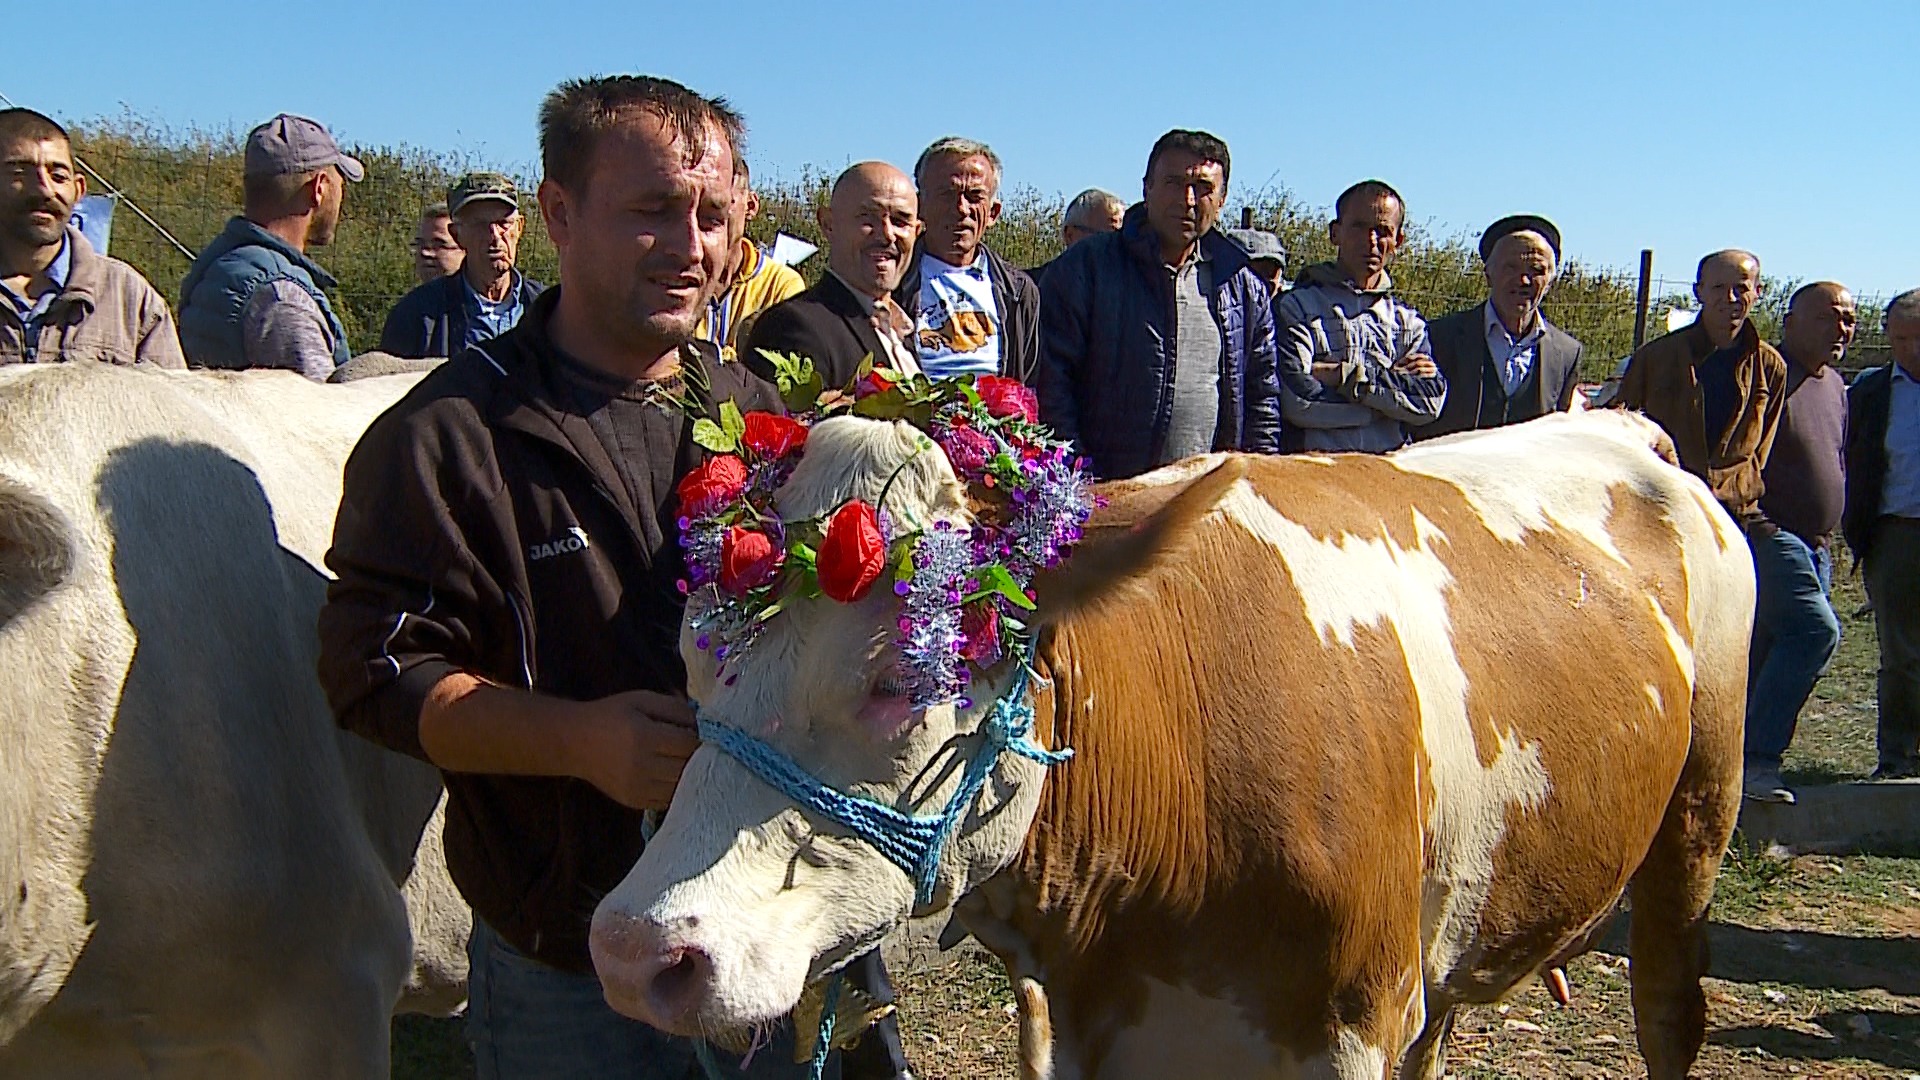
(1816, 960)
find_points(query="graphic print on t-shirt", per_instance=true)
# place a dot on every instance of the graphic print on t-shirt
(956, 326)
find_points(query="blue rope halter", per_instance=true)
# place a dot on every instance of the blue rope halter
(912, 843)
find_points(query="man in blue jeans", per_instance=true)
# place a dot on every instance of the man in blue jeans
(1795, 630)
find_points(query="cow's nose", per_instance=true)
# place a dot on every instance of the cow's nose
(649, 971)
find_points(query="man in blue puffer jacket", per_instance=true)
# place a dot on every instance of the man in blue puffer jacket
(1157, 340)
(253, 299)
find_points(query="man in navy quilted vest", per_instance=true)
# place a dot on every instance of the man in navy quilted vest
(253, 299)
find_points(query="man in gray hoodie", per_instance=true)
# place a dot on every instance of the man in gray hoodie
(1356, 371)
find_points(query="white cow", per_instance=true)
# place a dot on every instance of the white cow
(200, 875)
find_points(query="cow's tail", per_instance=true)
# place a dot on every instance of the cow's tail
(1674, 884)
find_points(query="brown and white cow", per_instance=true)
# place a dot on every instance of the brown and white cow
(1358, 740)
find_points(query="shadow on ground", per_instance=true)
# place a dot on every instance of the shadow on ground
(1891, 1042)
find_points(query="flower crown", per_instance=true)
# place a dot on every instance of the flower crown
(962, 590)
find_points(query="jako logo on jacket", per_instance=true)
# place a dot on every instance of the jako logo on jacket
(575, 541)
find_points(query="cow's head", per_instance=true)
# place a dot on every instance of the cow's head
(741, 897)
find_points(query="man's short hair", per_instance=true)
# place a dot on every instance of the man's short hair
(25, 125)
(1093, 205)
(1368, 191)
(1700, 270)
(435, 210)
(579, 111)
(957, 147)
(1198, 143)
(1905, 307)
(274, 195)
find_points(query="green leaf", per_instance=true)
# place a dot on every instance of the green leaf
(713, 437)
(731, 421)
(996, 580)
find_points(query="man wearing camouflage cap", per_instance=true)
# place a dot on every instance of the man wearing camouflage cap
(487, 296)
(253, 299)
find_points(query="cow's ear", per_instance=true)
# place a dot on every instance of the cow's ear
(1138, 527)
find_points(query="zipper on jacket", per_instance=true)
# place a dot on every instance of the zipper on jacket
(522, 621)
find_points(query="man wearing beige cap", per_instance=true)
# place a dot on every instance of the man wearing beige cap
(487, 296)
(253, 299)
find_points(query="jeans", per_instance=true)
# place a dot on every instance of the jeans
(529, 1021)
(1795, 633)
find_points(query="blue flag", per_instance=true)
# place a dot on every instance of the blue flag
(93, 216)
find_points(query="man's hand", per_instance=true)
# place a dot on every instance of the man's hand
(631, 746)
(1330, 373)
(635, 745)
(1419, 365)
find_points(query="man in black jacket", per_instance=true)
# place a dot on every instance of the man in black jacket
(871, 222)
(482, 299)
(505, 604)
(1882, 526)
(974, 313)
(1503, 361)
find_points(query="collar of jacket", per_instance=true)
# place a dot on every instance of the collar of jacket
(1137, 235)
(1700, 346)
(85, 273)
(242, 232)
(534, 404)
(1328, 273)
(907, 293)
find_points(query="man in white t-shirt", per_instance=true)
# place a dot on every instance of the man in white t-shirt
(973, 312)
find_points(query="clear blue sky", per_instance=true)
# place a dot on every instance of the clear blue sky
(1788, 128)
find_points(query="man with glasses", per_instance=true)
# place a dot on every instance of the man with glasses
(488, 296)
(435, 253)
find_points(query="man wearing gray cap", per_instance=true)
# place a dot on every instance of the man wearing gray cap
(1503, 361)
(1265, 255)
(487, 295)
(253, 299)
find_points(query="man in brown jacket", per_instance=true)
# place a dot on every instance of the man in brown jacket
(1716, 388)
(60, 299)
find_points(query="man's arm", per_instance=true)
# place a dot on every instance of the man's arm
(282, 327)
(1065, 309)
(1262, 375)
(414, 622)
(159, 342)
(1306, 399)
(1411, 390)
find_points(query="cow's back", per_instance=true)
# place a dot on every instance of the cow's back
(211, 854)
(1382, 727)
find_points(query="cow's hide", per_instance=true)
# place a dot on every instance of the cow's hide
(203, 876)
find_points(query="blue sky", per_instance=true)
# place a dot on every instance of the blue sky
(1680, 127)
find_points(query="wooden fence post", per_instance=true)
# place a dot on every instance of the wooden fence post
(1641, 300)
(1246, 217)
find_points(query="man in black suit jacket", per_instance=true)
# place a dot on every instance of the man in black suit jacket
(871, 223)
(1503, 361)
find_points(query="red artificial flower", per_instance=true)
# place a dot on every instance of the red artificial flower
(980, 631)
(748, 560)
(871, 383)
(968, 448)
(711, 486)
(773, 436)
(1005, 397)
(852, 554)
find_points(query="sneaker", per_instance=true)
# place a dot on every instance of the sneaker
(1763, 785)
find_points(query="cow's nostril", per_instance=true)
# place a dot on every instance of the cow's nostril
(681, 982)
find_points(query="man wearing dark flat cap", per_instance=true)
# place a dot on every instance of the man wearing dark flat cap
(1503, 361)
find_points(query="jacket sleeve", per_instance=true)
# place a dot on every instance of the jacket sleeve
(394, 335)
(1304, 401)
(1026, 365)
(281, 327)
(409, 604)
(1400, 395)
(159, 342)
(1633, 383)
(1262, 374)
(781, 329)
(1065, 308)
(1570, 384)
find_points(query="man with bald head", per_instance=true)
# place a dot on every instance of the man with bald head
(1720, 392)
(1503, 361)
(1795, 630)
(871, 222)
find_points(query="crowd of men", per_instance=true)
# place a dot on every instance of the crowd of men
(547, 686)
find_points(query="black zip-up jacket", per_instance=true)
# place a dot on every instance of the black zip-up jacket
(483, 528)
(1869, 403)
(1014, 293)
